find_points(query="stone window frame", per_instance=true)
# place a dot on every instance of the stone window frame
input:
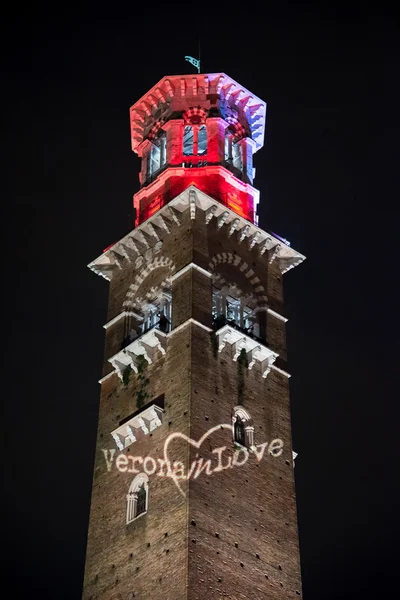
(139, 481)
(247, 421)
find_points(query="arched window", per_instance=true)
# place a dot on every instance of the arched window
(233, 150)
(195, 140)
(239, 431)
(137, 498)
(141, 501)
(237, 156)
(158, 154)
(188, 141)
(202, 140)
(228, 146)
(243, 428)
(157, 311)
(232, 307)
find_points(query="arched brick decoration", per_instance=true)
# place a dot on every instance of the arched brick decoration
(157, 263)
(138, 304)
(236, 261)
(217, 279)
(196, 114)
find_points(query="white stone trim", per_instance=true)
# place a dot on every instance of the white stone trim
(124, 313)
(178, 90)
(277, 315)
(106, 377)
(187, 268)
(146, 421)
(256, 351)
(117, 255)
(131, 497)
(191, 320)
(281, 371)
(271, 312)
(247, 421)
(146, 345)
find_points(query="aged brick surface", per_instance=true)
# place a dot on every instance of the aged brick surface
(234, 534)
(252, 505)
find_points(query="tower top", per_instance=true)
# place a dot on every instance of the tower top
(213, 93)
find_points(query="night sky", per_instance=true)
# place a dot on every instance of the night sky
(327, 176)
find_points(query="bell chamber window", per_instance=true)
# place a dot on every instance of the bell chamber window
(137, 498)
(231, 307)
(195, 140)
(155, 312)
(158, 313)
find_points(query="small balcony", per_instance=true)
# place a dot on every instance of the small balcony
(235, 338)
(141, 423)
(149, 345)
(162, 325)
(220, 321)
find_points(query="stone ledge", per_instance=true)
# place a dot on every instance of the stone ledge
(146, 421)
(255, 350)
(146, 345)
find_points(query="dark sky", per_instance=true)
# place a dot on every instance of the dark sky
(327, 175)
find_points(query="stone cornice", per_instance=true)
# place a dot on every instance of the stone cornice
(188, 268)
(159, 183)
(124, 313)
(180, 92)
(146, 240)
(256, 351)
(150, 345)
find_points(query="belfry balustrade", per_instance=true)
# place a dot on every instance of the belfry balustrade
(235, 325)
(163, 325)
(149, 344)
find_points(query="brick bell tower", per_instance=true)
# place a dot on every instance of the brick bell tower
(193, 490)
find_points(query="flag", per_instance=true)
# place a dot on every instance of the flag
(194, 62)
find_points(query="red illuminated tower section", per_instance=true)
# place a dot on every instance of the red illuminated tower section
(200, 130)
(193, 492)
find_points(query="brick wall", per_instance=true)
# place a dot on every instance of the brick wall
(234, 534)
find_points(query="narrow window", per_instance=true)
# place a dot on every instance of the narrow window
(237, 155)
(188, 141)
(243, 428)
(239, 431)
(155, 159)
(219, 308)
(165, 314)
(163, 149)
(141, 501)
(202, 140)
(227, 147)
(138, 497)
